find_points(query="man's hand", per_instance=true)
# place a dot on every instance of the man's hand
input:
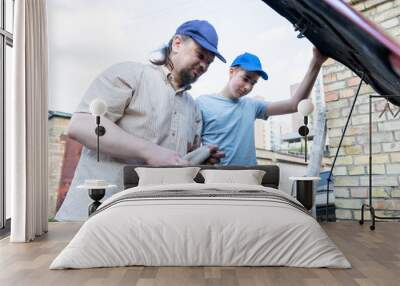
(215, 156)
(318, 57)
(158, 156)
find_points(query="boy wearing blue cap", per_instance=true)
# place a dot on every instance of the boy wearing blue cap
(228, 116)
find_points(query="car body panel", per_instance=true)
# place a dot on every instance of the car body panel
(345, 35)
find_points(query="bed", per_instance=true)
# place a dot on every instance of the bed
(201, 224)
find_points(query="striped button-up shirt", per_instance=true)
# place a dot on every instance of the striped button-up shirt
(141, 100)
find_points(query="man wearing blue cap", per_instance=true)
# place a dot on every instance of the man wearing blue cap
(228, 116)
(151, 118)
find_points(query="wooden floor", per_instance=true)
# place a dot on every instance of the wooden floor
(374, 255)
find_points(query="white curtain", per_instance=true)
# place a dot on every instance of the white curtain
(28, 122)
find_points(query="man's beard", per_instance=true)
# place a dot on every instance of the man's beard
(186, 77)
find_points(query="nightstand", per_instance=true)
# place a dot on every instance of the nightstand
(97, 190)
(304, 190)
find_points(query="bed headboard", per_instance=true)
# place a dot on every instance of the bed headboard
(270, 179)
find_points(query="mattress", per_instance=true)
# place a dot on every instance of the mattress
(201, 225)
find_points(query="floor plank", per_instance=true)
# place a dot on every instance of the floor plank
(374, 255)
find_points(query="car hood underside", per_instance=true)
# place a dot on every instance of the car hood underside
(342, 38)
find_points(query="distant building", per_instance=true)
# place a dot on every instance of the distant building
(259, 136)
(260, 131)
(318, 97)
(273, 135)
(318, 101)
(292, 142)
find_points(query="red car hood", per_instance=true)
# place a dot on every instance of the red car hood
(343, 34)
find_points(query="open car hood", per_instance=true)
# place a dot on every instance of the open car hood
(343, 34)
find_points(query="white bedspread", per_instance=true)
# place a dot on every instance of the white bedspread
(200, 230)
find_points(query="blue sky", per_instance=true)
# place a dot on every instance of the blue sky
(87, 36)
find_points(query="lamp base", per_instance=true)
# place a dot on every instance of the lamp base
(96, 195)
(305, 190)
(304, 193)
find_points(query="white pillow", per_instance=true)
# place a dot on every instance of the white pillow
(248, 177)
(166, 176)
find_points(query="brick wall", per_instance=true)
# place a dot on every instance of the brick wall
(351, 171)
(57, 128)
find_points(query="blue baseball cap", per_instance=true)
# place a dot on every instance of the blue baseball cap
(251, 63)
(203, 33)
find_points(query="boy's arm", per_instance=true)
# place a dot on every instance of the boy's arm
(215, 155)
(302, 92)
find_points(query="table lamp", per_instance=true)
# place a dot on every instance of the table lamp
(96, 187)
(98, 107)
(305, 107)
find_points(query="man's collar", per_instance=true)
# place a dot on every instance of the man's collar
(169, 78)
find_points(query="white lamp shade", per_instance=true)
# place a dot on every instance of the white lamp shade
(305, 107)
(98, 107)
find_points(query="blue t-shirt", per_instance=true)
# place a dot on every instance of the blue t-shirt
(229, 123)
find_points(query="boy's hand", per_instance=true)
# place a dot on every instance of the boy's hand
(215, 156)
